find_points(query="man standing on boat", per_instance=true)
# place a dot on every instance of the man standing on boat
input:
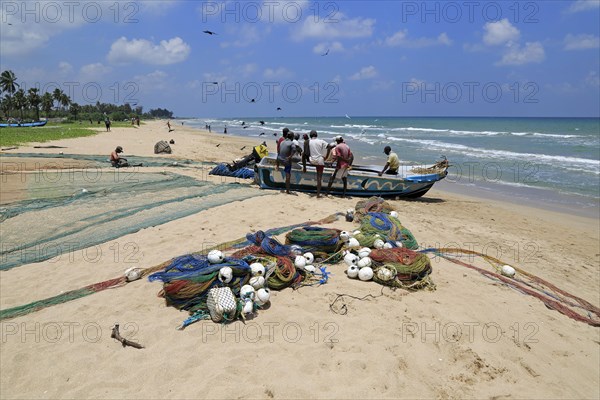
(319, 151)
(344, 160)
(392, 164)
(284, 156)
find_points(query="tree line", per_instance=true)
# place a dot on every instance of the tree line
(56, 104)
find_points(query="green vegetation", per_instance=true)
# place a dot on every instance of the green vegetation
(16, 136)
(27, 106)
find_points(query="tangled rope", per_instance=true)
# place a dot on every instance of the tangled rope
(552, 296)
(315, 239)
(410, 270)
(380, 225)
(372, 204)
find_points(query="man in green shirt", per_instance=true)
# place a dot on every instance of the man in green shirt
(393, 163)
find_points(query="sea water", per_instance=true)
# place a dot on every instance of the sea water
(545, 160)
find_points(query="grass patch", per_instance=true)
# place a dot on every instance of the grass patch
(16, 136)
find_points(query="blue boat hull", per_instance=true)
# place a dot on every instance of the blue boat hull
(362, 181)
(24, 125)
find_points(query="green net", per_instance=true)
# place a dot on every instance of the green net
(54, 216)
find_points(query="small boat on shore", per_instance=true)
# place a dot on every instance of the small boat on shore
(23, 124)
(363, 181)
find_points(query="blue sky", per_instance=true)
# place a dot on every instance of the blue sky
(396, 58)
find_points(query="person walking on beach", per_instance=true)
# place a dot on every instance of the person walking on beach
(284, 156)
(107, 123)
(392, 164)
(224, 130)
(318, 151)
(344, 159)
(169, 126)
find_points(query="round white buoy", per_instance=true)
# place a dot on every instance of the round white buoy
(215, 257)
(365, 274)
(257, 269)
(399, 244)
(364, 252)
(387, 245)
(378, 244)
(357, 232)
(257, 282)
(393, 214)
(226, 274)
(247, 292)
(352, 271)
(509, 271)
(60, 152)
(353, 242)
(300, 262)
(364, 262)
(310, 268)
(310, 258)
(350, 259)
(248, 307)
(263, 296)
(84, 191)
(345, 236)
(133, 274)
(384, 274)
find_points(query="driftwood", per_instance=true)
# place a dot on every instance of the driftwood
(9, 148)
(49, 147)
(116, 335)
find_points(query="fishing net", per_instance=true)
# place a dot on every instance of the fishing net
(55, 216)
(407, 269)
(319, 241)
(378, 225)
(372, 204)
(224, 170)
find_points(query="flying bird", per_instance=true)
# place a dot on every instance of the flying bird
(215, 83)
(278, 108)
(262, 122)
(253, 101)
(326, 53)
(262, 133)
(243, 123)
(275, 134)
(243, 148)
(348, 116)
(209, 32)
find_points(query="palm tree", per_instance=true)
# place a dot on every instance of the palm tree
(35, 100)
(5, 106)
(65, 101)
(56, 96)
(74, 109)
(20, 101)
(47, 103)
(8, 83)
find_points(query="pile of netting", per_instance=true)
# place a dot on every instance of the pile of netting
(403, 268)
(378, 225)
(372, 204)
(225, 170)
(324, 244)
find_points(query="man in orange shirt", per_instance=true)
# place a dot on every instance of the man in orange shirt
(344, 158)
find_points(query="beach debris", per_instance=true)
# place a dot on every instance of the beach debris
(9, 148)
(171, 141)
(162, 147)
(116, 335)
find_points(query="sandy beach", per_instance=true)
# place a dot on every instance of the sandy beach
(470, 338)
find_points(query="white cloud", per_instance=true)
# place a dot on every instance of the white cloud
(278, 73)
(283, 11)
(170, 51)
(592, 79)
(343, 28)
(246, 35)
(364, 73)
(532, 52)
(581, 42)
(154, 81)
(501, 32)
(332, 47)
(583, 5)
(401, 39)
(154, 6)
(383, 85)
(64, 68)
(92, 72)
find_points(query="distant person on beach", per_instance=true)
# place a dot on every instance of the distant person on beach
(107, 123)
(224, 130)
(169, 126)
(318, 151)
(282, 138)
(392, 164)
(284, 156)
(137, 121)
(305, 151)
(116, 160)
(344, 159)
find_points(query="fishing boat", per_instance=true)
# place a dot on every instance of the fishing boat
(23, 124)
(363, 181)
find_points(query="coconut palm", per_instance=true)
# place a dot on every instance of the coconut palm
(20, 100)
(74, 109)
(34, 100)
(56, 96)
(65, 101)
(47, 103)
(8, 84)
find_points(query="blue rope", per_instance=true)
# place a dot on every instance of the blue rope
(223, 170)
(191, 265)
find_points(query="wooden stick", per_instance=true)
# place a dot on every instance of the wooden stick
(116, 335)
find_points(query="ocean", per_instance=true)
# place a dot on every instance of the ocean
(547, 161)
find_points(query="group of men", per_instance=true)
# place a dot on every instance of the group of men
(318, 152)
